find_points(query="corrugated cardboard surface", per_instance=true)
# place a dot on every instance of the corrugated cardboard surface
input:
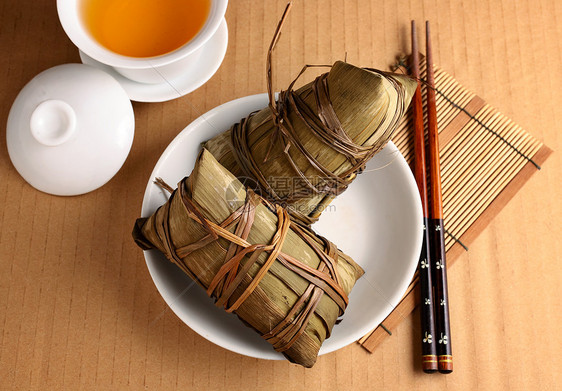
(78, 308)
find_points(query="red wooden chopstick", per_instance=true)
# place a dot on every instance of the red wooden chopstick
(443, 337)
(429, 349)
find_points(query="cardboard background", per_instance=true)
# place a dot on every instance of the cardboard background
(78, 308)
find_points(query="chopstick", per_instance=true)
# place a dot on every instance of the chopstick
(429, 349)
(443, 337)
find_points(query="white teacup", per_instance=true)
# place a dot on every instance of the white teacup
(145, 70)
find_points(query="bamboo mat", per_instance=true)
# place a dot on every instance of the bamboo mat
(485, 159)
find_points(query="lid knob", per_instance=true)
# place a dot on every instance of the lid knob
(52, 122)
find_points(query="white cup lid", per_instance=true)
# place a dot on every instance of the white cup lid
(70, 129)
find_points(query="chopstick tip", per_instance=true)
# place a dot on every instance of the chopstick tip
(429, 57)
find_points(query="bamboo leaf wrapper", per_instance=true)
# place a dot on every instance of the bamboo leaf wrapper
(279, 277)
(309, 145)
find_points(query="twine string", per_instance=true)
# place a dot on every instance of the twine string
(322, 122)
(241, 255)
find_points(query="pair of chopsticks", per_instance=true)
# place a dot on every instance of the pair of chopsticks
(434, 306)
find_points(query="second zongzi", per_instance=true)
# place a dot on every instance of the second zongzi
(309, 145)
(280, 278)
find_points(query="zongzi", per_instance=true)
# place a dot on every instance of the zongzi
(279, 277)
(306, 148)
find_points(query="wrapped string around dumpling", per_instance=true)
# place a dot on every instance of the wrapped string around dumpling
(279, 277)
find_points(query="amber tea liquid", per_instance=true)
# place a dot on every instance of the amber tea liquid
(144, 28)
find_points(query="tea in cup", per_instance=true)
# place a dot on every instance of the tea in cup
(147, 41)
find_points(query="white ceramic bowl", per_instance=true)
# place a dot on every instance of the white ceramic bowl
(378, 221)
(146, 70)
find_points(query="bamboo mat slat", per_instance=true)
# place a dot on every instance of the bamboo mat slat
(485, 159)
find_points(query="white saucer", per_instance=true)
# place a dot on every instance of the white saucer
(209, 62)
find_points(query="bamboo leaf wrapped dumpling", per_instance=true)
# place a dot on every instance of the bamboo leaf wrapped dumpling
(280, 278)
(309, 145)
